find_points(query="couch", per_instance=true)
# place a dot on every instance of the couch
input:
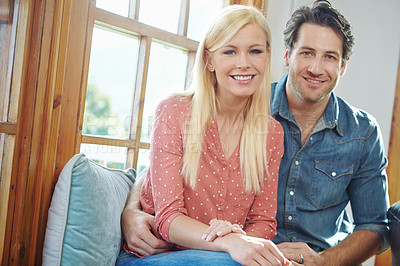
(83, 226)
(394, 225)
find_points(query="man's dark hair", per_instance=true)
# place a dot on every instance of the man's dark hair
(323, 14)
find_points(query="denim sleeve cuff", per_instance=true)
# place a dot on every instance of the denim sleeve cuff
(381, 230)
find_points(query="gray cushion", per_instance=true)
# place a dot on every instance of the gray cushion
(83, 226)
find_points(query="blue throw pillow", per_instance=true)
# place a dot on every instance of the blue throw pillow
(83, 226)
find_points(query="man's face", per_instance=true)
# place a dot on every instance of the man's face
(315, 64)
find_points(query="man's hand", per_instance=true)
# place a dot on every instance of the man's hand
(294, 251)
(140, 233)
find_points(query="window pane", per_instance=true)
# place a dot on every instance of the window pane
(112, 72)
(143, 161)
(108, 156)
(160, 13)
(201, 13)
(167, 72)
(120, 7)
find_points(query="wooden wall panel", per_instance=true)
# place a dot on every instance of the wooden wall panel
(6, 10)
(260, 4)
(52, 84)
(393, 169)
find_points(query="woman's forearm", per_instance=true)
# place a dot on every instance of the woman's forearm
(187, 232)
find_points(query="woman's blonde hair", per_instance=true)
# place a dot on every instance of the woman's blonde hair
(253, 142)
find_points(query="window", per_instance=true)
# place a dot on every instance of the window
(139, 55)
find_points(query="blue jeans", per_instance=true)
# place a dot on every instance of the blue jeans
(184, 258)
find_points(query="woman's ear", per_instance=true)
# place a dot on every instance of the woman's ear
(207, 60)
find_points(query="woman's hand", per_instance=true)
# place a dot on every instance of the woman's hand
(249, 250)
(220, 228)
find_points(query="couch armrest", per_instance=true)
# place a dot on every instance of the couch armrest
(394, 224)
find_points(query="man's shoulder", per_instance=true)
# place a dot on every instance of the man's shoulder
(354, 119)
(273, 88)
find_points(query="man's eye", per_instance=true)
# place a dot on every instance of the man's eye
(331, 57)
(306, 53)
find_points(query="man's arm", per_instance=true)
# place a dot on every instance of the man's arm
(138, 227)
(353, 250)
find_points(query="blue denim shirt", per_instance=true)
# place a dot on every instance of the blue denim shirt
(342, 161)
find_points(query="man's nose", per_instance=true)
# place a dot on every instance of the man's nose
(316, 66)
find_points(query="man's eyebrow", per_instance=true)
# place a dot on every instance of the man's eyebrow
(312, 49)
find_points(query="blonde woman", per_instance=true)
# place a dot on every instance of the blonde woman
(215, 155)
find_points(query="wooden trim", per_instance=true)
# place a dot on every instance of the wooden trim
(134, 6)
(7, 46)
(51, 90)
(85, 71)
(15, 239)
(6, 11)
(260, 4)
(8, 128)
(189, 68)
(131, 144)
(393, 169)
(138, 103)
(5, 190)
(183, 18)
(108, 141)
(21, 34)
(133, 26)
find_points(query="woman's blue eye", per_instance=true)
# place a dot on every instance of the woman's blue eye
(229, 52)
(256, 51)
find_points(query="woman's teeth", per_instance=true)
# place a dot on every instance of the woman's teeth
(243, 77)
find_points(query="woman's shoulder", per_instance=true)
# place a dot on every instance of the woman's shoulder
(274, 126)
(174, 104)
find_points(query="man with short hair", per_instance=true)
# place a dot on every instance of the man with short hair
(333, 154)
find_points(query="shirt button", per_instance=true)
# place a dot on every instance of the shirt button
(311, 138)
(296, 163)
(291, 193)
(333, 174)
(290, 218)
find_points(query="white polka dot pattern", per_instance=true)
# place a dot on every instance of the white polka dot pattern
(219, 192)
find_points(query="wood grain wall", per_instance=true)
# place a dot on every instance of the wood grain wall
(393, 169)
(52, 86)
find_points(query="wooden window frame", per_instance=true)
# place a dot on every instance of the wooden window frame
(146, 35)
(47, 75)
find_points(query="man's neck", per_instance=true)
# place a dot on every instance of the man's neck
(306, 114)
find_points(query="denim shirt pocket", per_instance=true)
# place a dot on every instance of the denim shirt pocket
(329, 183)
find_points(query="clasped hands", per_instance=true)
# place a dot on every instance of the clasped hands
(244, 248)
(219, 228)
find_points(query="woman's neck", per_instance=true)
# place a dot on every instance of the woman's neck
(231, 109)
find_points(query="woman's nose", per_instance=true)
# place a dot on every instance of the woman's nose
(243, 61)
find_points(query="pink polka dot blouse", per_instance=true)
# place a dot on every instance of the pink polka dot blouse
(219, 192)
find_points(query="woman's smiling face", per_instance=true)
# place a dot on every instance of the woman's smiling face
(241, 63)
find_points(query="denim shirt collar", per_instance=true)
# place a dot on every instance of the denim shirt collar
(279, 106)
